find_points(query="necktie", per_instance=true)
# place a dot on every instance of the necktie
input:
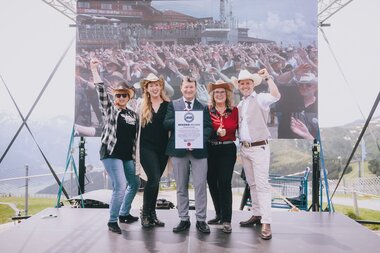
(188, 105)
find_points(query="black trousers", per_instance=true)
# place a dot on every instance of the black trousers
(221, 162)
(154, 164)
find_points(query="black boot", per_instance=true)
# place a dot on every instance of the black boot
(146, 221)
(214, 221)
(155, 220)
(114, 227)
(127, 218)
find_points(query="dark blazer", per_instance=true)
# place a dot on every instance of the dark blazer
(179, 105)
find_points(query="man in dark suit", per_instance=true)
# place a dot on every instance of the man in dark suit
(183, 158)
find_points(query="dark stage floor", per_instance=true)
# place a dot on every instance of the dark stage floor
(85, 230)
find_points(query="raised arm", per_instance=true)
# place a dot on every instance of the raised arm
(104, 101)
(273, 90)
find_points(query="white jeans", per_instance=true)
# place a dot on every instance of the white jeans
(256, 167)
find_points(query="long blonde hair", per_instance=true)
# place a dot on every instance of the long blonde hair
(229, 99)
(146, 105)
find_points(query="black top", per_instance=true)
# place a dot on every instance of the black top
(125, 135)
(153, 135)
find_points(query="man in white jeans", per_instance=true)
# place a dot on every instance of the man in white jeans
(254, 151)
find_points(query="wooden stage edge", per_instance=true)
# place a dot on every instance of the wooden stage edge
(85, 230)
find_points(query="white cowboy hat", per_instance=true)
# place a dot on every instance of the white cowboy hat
(244, 75)
(308, 78)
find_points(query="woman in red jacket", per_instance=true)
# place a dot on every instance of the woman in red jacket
(222, 151)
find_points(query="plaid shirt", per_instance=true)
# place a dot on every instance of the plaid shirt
(110, 115)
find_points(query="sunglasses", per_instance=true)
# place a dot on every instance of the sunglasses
(121, 95)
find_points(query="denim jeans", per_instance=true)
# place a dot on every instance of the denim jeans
(120, 173)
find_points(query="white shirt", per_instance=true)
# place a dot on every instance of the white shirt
(264, 100)
(191, 105)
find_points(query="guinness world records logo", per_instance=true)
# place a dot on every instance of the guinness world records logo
(188, 117)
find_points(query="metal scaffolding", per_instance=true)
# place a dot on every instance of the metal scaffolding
(327, 8)
(65, 7)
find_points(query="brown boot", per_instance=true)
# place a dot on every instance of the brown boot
(266, 232)
(251, 221)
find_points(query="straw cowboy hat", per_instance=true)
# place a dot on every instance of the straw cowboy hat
(167, 87)
(151, 78)
(219, 84)
(124, 88)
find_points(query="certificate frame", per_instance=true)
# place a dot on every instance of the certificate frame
(188, 129)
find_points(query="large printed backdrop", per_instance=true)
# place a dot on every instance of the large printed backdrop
(176, 38)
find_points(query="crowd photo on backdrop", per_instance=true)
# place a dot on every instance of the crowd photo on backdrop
(140, 39)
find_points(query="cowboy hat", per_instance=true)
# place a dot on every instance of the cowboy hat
(219, 84)
(123, 87)
(151, 78)
(308, 78)
(115, 62)
(244, 75)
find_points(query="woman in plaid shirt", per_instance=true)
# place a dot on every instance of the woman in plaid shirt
(117, 149)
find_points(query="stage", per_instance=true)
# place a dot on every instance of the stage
(85, 230)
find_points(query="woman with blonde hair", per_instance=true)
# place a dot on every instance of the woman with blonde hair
(153, 140)
(222, 151)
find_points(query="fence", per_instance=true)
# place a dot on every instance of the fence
(370, 185)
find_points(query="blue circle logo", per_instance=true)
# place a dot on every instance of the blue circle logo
(188, 117)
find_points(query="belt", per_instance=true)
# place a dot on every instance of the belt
(214, 143)
(253, 144)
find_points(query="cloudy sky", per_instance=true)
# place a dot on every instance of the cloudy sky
(34, 37)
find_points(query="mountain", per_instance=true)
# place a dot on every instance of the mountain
(53, 138)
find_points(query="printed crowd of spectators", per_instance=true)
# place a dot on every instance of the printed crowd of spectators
(208, 63)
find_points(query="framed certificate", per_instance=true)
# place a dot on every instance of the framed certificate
(188, 129)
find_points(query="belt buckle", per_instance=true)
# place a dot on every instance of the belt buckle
(246, 144)
(214, 143)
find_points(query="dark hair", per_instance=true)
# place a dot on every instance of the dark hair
(189, 79)
(288, 67)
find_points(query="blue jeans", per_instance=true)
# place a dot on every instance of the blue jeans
(120, 173)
